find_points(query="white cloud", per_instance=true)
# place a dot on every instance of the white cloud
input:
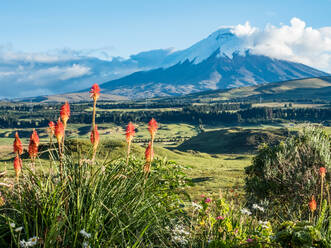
(295, 42)
(244, 30)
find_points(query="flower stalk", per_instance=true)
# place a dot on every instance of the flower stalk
(152, 128)
(130, 131)
(59, 134)
(33, 147)
(95, 138)
(322, 171)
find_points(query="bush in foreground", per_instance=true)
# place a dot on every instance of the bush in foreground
(287, 175)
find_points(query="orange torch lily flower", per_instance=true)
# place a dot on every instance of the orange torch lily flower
(149, 153)
(18, 147)
(129, 132)
(33, 150)
(34, 137)
(17, 165)
(65, 113)
(59, 131)
(51, 128)
(95, 92)
(33, 145)
(152, 127)
(322, 171)
(312, 204)
(95, 138)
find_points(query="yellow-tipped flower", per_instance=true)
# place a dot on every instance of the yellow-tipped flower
(59, 131)
(95, 92)
(129, 132)
(17, 165)
(312, 204)
(65, 113)
(152, 127)
(17, 145)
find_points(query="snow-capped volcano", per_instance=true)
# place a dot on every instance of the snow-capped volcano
(226, 58)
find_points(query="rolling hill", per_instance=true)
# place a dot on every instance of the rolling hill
(305, 89)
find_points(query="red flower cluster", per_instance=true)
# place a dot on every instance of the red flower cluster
(33, 145)
(312, 204)
(59, 131)
(65, 113)
(149, 153)
(95, 92)
(17, 165)
(51, 128)
(18, 147)
(152, 127)
(130, 131)
(322, 171)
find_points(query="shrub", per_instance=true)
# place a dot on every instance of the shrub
(287, 175)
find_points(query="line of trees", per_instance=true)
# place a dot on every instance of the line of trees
(196, 114)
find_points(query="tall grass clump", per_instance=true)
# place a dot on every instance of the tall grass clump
(114, 205)
(83, 202)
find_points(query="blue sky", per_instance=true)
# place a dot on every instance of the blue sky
(127, 27)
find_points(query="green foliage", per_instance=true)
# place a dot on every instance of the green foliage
(287, 175)
(300, 234)
(225, 223)
(115, 203)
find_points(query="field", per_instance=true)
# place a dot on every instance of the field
(199, 189)
(213, 160)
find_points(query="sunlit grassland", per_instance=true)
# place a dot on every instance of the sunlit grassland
(90, 109)
(283, 104)
(209, 173)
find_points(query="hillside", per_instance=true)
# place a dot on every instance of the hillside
(234, 140)
(304, 89)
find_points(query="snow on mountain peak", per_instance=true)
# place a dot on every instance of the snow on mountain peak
(223, 40)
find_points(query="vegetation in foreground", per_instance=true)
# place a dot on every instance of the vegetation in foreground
(128, 202)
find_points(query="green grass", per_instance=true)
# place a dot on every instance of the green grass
(209, 172)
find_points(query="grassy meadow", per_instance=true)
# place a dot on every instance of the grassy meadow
(183, 183)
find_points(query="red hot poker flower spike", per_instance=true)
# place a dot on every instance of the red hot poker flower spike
(322, 171)
(51, 128)
(18, 147)
(34, 137)
(152, 127)
(59, 131)
(149, 153)
(17, 165)
(95, 137)
(95, 92)
(65, 112)
(312, 204)
(130, 131)
(33, 149)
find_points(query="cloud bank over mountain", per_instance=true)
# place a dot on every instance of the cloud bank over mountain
(295, 42)
(30, 74)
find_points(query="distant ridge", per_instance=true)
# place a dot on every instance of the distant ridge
(305, 89)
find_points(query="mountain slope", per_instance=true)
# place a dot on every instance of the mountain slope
(305, 89)
(215, 72)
